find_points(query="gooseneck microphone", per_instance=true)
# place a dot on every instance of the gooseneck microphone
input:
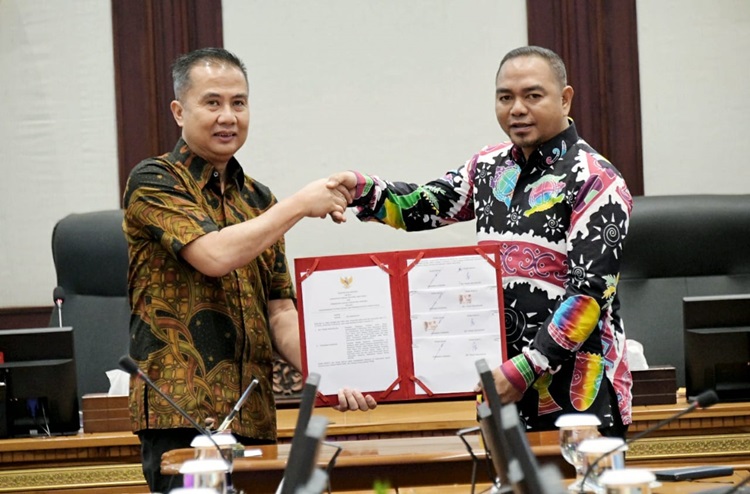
(128, 365)
(58, 296)
(236, 409)
(703, 400)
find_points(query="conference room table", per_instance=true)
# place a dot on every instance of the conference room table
(400, 462)
(109, 462)
(440, 464)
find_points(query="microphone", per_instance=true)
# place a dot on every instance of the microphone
(128, 365)
(703, 400)
(58, 296)
(237, 407)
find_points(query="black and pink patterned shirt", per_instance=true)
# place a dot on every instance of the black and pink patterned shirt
(560, 219)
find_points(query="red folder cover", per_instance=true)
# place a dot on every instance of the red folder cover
(440, 311)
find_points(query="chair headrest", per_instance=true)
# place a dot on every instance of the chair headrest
(91, 254)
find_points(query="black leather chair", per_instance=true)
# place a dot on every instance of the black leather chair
(91, 261)
(680, 246)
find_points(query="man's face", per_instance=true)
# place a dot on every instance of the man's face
(531, 106)
(213, 112)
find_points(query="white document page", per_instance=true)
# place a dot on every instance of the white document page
(455, 321)
(349, 330)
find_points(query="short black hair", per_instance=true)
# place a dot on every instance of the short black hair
(182, 65)
(552, 58)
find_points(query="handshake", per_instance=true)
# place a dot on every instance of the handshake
(328, 196)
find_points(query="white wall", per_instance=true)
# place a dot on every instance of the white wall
(402, 89)
(57, 133)
(695, 96)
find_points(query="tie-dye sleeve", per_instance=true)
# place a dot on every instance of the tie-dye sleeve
(581, 322)
(412, 207)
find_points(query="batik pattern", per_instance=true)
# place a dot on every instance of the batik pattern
(200, 339)
(560, 219)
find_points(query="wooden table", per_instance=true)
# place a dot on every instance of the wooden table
(420, 465)
(403, 462)
(110, 462)
(695, 486)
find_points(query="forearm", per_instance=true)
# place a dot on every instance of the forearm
(284, 324)
(220, 252)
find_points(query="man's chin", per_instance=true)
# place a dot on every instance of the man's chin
(525, 143)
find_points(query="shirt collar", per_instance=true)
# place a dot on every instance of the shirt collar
(551, 151)
(201, 170)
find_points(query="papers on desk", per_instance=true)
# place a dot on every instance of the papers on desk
(404, 325)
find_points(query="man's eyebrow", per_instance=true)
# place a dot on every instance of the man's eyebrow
(529, 89)
(217, 95)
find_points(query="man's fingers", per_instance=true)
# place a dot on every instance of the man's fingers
(338, 217)
(351, 399)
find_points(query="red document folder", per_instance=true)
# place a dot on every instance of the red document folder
(441, 299)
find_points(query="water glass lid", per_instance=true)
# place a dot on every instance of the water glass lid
(577, 420)
(602, 445)
(627, 477)
(223, 439)
(203, 466)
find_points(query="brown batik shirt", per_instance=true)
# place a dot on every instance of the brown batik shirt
(200, 339)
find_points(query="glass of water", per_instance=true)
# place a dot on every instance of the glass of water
(574, 429)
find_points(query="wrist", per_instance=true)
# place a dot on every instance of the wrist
(519, 372)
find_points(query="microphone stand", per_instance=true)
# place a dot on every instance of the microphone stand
(331, 462)
(736, 488)
(474, 460)
(236, 409)
(58, 303)
(129, 366)
(704, 400)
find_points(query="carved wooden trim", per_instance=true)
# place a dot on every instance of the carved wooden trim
(719, 445)
(71, 477)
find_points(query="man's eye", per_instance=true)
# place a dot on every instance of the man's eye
(239, 103)
(504, 98)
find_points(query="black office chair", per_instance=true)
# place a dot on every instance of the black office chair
(91, 261)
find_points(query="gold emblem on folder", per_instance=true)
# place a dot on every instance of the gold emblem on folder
(346, 281)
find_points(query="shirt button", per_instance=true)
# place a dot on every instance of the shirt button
(216, 174)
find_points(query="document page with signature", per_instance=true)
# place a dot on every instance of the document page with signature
(455, 320)
(349, 329)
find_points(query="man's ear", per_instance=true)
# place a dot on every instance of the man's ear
(567, 99)
(177, 109)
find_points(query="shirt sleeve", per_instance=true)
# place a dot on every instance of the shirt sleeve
(412, 207)
(159, 205)
(282, 285)
(598, 225)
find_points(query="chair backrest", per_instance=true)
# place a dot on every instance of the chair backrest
(91, 261)
(680, 246)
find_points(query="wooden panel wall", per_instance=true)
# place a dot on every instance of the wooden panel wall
(148, 36)
(598, 40)
(25, 317)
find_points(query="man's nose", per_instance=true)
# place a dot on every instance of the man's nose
(227, 114)
(518, 108)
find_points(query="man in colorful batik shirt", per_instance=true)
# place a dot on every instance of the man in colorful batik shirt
(560, 213)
